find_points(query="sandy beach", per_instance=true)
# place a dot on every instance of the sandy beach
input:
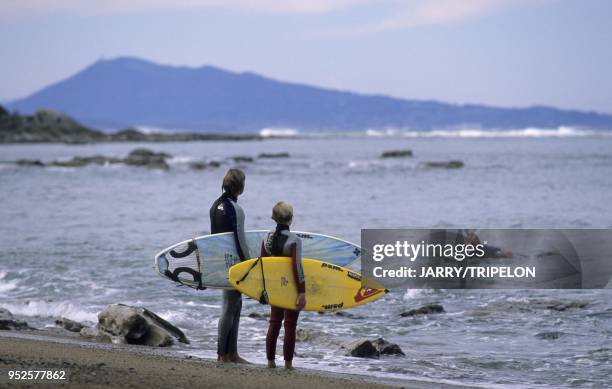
(92, 365)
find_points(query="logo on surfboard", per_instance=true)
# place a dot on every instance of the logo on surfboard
(364, 293)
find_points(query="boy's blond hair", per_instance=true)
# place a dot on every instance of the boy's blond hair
(282, 213)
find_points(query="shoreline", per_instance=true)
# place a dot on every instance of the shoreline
(91, 364)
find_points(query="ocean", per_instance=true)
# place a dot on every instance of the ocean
(73, 240)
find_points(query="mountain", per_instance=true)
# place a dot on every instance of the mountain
(127, 92)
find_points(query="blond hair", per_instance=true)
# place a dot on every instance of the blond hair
(233, 181)
(282, 213)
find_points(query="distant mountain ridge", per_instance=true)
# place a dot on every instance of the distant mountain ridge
(126, 92)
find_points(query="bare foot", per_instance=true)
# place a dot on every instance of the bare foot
(223, 358)
(237, 359)
(289, 365)
(271, 364)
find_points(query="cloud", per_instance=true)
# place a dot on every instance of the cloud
(13, 10)
(438, 12)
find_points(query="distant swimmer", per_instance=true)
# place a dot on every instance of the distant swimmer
(283, 242)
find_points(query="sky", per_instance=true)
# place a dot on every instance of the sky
(510, 53)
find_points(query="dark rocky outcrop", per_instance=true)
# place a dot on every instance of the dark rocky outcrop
(242, 158)
(70, 325)
(453, 164)
(120, 323)
(139, 157)
(273, 155)
(147, 158)
(424, 310)
(201, 165)
(397, 154)
(47, 126)
(551, 335)
(365, 348)
(30, 162)
(8, 321)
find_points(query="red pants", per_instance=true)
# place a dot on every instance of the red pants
(276, 318)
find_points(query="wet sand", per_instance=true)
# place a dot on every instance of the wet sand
(115, 366)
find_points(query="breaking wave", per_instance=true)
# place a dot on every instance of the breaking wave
(530, 132)
(279, 132)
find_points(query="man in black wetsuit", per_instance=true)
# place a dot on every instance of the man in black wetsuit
(227, 216)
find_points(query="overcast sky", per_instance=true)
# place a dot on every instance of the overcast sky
(497, 52)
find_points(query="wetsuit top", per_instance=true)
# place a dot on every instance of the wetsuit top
(227, 216)
(283, 242)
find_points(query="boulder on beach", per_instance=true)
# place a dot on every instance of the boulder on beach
(365, 348)
(8, 322)
(273, 155)
(147, 158)
(424, 310)
(120, 323)
(69, 325)
(452, 164)
(397, 154)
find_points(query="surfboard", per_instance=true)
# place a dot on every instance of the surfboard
(204, 261)
(328, 287)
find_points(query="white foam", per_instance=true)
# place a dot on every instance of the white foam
(529, 132)
(39, 308)
(278, 132)
(5, 286)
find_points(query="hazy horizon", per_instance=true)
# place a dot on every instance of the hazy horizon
(503, 53)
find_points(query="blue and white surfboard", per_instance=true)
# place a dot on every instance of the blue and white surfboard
(203, 262)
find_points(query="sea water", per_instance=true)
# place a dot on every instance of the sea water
(73, 240)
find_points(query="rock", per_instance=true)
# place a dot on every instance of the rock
(552, 335)
(8, 322)
(29, 162)
(135, 325)
(201, 165)
(365, 348)
(242, 158)
(70, 325)
(397, 154)
(387, 348)
(561, 306)
(347, 314)
(424, 310)
(361, 349)
(147, 158)
(273, 155)
(258, 315)
(453, 164)
(100, 336)
(130, 135)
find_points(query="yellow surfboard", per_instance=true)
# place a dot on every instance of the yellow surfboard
(328, 287)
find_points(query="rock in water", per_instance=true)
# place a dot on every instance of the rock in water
(365, 348)
(361, 349)
(242, 158)
(134, 325)
(454, 164)
(70, 325)
(397, 154)
(387, 348)
(424, 310)
(147, 158)
(273, 155)
(8, 322)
